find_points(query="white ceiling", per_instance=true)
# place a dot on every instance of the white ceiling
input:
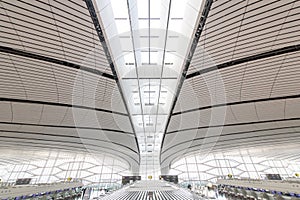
(242, 88)
(57, 89)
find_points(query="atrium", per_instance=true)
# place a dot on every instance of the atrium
(114, 95)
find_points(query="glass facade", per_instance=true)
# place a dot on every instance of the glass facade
(107, 171)
(101, 169)
(198, 169)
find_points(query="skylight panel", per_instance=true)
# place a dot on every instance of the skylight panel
(153, 43)
(143, 9)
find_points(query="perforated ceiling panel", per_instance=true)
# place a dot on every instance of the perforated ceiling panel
(239, 29)
(236, 85)
(241, 90)
(57, 87)
(61, 30)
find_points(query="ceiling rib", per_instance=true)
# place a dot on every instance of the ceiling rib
(163, 61)
(237, 133)
(65, 127)
(99, 31)
(53, 60)
(230, 147)
(204, 15)
(237, 124)
(59, 104)
(60, 136)
(136, 67)
(65, 148)
(268, 54)
(70, 143)
(238, 103)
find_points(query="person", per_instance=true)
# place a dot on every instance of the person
(211, 194)
(150, 195)
(195, 197)
(83, 192)
(102, 192)
(189, 187)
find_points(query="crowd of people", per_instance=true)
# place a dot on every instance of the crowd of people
(209, 191)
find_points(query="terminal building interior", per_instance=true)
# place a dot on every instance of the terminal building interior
(150, 99)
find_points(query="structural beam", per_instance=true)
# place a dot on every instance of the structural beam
(202, 20)
(99, 31)
(236, 124)
(240, 134)
(238, 103)
(54, 61)
(59, 104)
(64, 127)
(268, 54)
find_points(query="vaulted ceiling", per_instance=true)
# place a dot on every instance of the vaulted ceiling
(57, 88)
(236, 89)
(241, 90)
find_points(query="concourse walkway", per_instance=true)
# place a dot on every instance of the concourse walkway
(148, 190)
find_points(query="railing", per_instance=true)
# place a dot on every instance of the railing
(27, 190)
(155, 190)
(284, 186)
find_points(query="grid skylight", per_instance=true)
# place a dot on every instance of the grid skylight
(149, 41)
